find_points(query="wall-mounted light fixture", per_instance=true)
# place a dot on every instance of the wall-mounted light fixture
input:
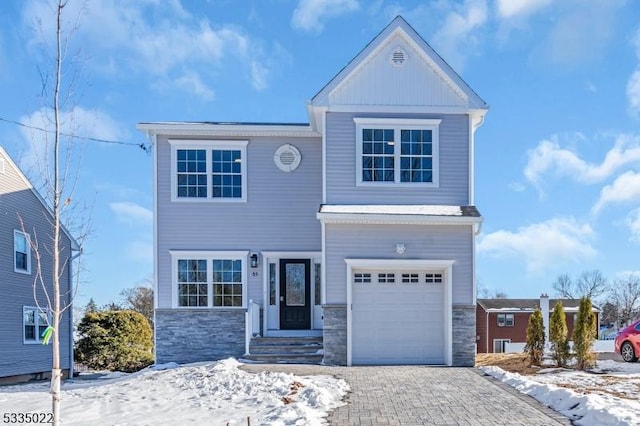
(254, 260)
(401, 248)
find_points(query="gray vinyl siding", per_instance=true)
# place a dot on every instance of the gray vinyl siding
(453, 187)
(430, 242)
(18, 201)
(279, 215)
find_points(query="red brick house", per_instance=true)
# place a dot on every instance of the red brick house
(501, 321)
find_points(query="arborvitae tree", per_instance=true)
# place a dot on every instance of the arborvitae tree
(535, 338)
(584, 334)
(114, 340)
(91, 306)
(558, 335)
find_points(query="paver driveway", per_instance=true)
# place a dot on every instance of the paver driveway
(425, 395)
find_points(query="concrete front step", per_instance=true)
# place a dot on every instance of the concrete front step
(285, 358)
(294, 350)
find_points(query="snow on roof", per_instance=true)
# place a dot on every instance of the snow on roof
(424, 210)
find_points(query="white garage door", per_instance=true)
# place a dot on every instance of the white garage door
(397, 317)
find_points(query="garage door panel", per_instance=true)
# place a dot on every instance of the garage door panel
(397, 323)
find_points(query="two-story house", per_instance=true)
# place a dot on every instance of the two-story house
(25, 218)
(358, 227)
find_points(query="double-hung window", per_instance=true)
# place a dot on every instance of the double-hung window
(21, 252)
(505, 320)
(34, 322)
(209, 279)
(397, 151)
(205, 170)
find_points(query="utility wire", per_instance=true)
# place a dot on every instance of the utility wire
(142, 146)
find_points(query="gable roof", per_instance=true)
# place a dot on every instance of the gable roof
(74, 244)
(527, 304)
(400, 27)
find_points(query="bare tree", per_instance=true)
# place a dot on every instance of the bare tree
(591, 284)
(140, 299)
(564, 286)
(625, 296)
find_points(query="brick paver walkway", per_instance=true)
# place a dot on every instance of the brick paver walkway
(425, 395)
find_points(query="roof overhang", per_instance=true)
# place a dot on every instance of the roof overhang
(228, 129)
(399, 214)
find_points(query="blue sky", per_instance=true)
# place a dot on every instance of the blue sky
(557, 160)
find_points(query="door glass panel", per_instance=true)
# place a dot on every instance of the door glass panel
(272, 284)
(295, 284)
(317, 283)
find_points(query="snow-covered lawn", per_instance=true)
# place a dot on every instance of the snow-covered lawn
(215, 393)
(607, 395)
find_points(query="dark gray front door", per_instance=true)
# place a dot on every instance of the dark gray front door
(295, 289)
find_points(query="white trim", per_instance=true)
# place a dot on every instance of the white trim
(406, 264)
(38, 338)
(2, 166)
(397, 125)
(27, 237)
(208, 145)
(154, 142)
(502, 340)
(324, 156)
(323, 284)
(228, 130)
(208, 255)
(291, 254)
(403, 109)
(396, 219)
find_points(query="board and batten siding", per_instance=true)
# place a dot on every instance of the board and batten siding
(17, 201)
(374, 241)
(279, 214)
(341, 160)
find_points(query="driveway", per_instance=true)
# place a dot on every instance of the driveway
(425, 395)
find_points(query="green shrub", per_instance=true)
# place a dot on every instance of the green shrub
(584, 334)
(535, 338)
(114, 340)
(558, 335)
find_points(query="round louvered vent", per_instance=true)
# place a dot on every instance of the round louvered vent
(287, 158)
(398, 56)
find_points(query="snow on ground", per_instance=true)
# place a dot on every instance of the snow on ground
(201, 393)
(606, 395)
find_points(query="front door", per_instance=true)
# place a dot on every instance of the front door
(295, 289)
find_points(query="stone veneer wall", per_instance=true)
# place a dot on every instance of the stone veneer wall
(335, 334)
(464, 335)
(190, 335)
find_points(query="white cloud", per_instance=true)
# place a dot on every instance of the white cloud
(517, 186)
(633, 222)
(625, 187)
(310, 14)
(633, 85)
(458, 34)
(79, 122)
(132, 213)
(508, 9)
(125, 36)
(542, 245)
(140, 250)
(549, 158)
(190, 81)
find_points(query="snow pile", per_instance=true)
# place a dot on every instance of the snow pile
(585, 398)
(204, 393)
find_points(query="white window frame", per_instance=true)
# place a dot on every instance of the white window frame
(38, 338)
(209, 256)
(397, 125)
(208, 146)
(27, 237)
(502, 343)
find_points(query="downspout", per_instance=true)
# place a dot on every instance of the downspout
(487, 342)
(153, 140)
(71, 330)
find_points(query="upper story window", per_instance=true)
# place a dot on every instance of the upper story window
(397, 151)
(21, 252)
(209, 279)
(505, 320)
(208, 170)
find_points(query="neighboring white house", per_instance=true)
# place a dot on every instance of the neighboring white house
(358, 226)
(25, 217)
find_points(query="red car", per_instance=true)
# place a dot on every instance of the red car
(628, 342)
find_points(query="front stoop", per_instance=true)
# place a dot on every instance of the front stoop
(286, 350)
